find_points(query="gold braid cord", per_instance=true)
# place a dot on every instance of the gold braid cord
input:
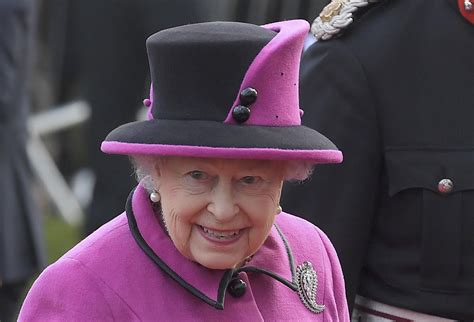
(336, 16)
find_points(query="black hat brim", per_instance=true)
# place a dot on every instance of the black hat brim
(220, 140)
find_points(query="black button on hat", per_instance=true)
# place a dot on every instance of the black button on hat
(237, 287)
(241, 113)
(248, 96)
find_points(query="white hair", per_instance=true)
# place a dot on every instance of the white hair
(143, 168)
(294, 170)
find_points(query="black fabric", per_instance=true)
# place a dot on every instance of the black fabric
(394, 93)
(197, 69)
(218, 134)
(441, 257)
(10, 294)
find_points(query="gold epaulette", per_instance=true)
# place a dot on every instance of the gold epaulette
(335, 16)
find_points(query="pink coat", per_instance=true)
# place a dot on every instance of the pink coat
(108, 277)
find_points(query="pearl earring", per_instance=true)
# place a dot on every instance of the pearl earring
(155, 197)
(279, 209)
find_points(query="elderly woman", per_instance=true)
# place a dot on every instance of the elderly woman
(203, 237)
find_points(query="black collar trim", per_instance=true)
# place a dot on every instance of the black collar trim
(228, 274)
(291, 284)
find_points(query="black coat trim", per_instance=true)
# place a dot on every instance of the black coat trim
(219, 304)
(289, 252)
(291, 284)
(228, 274)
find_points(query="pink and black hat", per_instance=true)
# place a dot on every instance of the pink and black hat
(225, 90)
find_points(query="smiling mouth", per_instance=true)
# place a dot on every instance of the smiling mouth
(227, 235)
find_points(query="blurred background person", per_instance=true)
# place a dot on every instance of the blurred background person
(21, 241)
(393, 90)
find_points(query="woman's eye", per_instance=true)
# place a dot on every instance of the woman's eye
(248, 180)
(198, 175)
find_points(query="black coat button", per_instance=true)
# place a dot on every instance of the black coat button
(237, 287)
(248, 96)
(241, 113)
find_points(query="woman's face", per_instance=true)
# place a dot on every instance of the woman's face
(217, 211)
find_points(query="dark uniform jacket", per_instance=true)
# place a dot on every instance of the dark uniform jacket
(395, 93)
(21, 251)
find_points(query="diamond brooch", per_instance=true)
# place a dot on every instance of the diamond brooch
(307, 282)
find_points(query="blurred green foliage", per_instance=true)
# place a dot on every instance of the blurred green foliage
(60, 237)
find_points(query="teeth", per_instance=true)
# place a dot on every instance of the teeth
(220, 234)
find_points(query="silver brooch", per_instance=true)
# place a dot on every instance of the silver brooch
(307, 282)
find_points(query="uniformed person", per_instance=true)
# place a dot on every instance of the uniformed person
(391, 82)
(22, 251)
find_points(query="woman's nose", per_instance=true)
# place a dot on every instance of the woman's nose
(222, 204)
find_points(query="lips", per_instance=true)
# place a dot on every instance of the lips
(220, 235)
